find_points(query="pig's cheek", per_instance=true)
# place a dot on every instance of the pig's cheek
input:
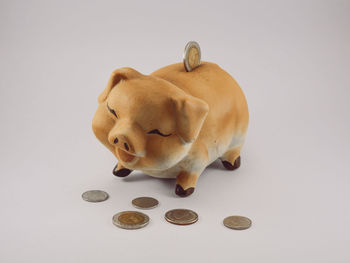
(152, 148)
(162, 152)
(169, 151)
(154, 153)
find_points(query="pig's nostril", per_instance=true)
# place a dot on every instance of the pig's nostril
(115, 140)
(126, 146)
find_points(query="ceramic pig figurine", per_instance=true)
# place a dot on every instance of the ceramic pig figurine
(172, 123)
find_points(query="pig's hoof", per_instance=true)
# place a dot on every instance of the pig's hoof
(229, 166)
(183, 193)
(122, 172)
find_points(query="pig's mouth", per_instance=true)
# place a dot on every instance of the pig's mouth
(125, 157)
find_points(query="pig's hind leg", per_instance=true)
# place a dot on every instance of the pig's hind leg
(231, 159)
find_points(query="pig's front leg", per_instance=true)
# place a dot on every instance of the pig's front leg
(191, 169)
(121, 171)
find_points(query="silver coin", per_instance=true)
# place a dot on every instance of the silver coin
(192, 55)
(145, 202)
(181, 216)
(237, 222)
(95, 196)
(130, 220)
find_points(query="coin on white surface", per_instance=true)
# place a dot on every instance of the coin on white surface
(95, 196)
(181, 216)
(237, 222)
(145, 202)
(130, 220)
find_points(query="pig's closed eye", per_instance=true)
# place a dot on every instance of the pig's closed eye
(155, 131)
(112, 111)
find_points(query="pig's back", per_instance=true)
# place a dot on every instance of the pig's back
(228, 111)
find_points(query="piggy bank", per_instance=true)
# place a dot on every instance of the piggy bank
(172, 123)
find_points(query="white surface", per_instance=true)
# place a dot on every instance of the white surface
(292, 60)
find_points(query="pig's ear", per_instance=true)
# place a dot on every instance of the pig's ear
(117, 75)
(190, 113)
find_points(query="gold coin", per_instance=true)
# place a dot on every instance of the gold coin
(95, 196)
(145, 202)
(130, 220)
(237, 222)
(192, 55)
(181, 216)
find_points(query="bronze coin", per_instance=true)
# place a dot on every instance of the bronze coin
(181, 216)
(237, 222)
(145, 202)
(130, 220)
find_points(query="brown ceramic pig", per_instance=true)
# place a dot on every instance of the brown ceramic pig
(172, 123)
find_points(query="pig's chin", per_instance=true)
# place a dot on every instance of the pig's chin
(126, 158)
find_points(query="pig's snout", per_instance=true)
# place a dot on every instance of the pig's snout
(128, 137)
(123, 141)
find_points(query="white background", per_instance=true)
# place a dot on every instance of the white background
(292, 59)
